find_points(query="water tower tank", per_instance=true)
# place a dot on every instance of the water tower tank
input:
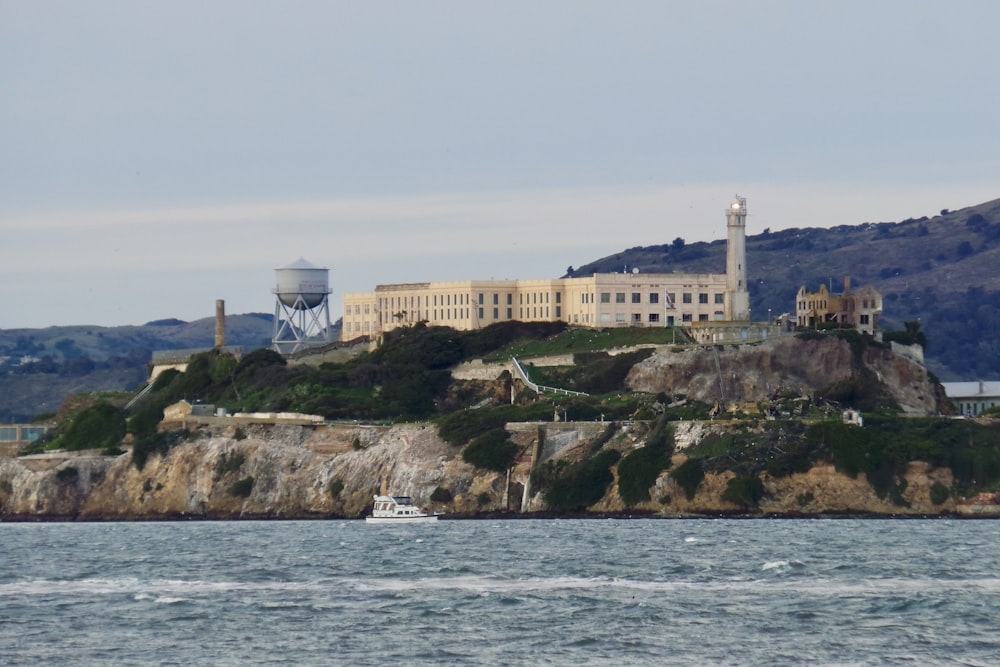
(302, 285)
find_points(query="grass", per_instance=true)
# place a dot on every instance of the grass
(575, 339)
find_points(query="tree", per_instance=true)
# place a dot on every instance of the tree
(678, 244)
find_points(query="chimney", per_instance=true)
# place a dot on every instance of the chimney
(847, 286)
(220, 323)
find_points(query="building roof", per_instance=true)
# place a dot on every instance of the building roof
(977, 389)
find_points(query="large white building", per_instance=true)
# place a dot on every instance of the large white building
(599, 301)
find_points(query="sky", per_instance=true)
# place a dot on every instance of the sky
(157, 156)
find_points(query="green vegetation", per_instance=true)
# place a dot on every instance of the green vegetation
(639, 469)
(577, 486)
(336, 486)
(158, 443)
(67, 474)
(939, 493)
(689, 476)
(101, 426)
(460, 427)
(492, 451)
(574, 340)
(746, 492)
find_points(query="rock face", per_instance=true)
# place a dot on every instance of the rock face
(294, 471)
(307, 472)
(753, 373)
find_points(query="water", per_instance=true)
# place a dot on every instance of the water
(540, 592)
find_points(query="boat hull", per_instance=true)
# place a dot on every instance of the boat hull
(429, 518)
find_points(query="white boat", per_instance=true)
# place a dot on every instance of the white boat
(398, 509)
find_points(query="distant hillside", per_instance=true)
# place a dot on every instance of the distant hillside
(942, 271)
(40, 367)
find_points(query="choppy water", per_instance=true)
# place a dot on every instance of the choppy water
(569, 592)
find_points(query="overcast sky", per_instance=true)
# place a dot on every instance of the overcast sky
(157, 156)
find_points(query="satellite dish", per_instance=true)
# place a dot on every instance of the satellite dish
(635, 269)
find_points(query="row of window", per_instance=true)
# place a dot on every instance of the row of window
(654, 297)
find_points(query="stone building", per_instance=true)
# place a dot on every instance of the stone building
(601, 300)
(860, 310)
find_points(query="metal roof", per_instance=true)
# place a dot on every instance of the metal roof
(977, 389)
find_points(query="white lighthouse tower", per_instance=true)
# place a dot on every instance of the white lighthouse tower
(737, 297)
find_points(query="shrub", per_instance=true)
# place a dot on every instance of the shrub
(439, 495)
(939, 493)
(582, 484)
(67, 473)
(156, 443)
(99, 427)
(336, 486)
(491, 451)
(744, 491)
(242, 488)
(639, 469)
(483, 498)
(689, 476)
(460, 427)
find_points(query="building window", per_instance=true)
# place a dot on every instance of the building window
(636, 297)
(654, 297)
(605, 297)
(605, 317)
(864, 319)
(496, 299)
(636, 318)
(619, 297)
(670, 320)
(480, 312)
(558, 297)
(510, 299)
(558, 312)
(671, 299)
(686, 297)
(702, 298)
(703, 317)
(619, 317)
(686, 317)
(654, 317)
(720, 298)
(480, 298)
(510, 313)
(496, 313)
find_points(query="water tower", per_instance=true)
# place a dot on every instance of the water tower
(301, 307)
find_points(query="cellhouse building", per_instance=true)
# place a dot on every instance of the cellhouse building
(630, 299)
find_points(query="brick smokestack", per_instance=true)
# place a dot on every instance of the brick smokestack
(220, 323)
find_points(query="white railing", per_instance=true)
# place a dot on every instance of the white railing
(538, 388)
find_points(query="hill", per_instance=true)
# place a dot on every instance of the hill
(39, 368)
(940, 271)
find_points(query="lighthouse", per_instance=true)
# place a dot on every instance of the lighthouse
(737, 297)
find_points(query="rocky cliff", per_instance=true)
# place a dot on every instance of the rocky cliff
(333, 471)
(801, 366)
(280, 471)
